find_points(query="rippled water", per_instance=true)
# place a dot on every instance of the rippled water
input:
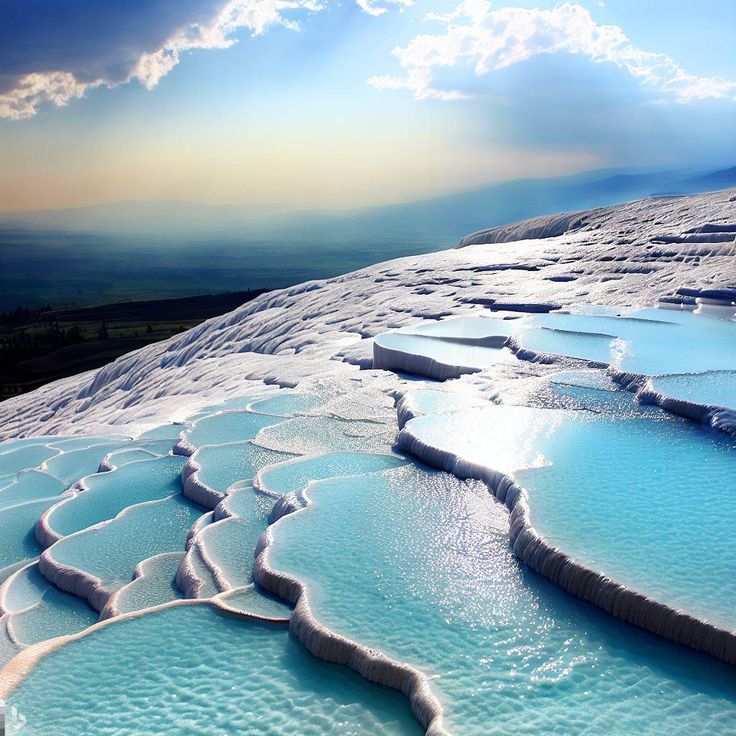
(156, 586)
(393, 555)
(228, 427)
(418, 564)
(190, 670)
(649, 501)
(111, 552)
(223, 465)
(109, 493)
(296, 474)
(716, 388)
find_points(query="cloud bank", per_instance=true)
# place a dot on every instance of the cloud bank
(484, 40)
(54, 52)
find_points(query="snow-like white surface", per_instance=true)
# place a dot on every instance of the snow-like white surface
(626, 255)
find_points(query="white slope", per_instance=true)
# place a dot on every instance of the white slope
(626, 255)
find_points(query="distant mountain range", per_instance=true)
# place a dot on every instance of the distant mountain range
(156, 250)
(440, 219)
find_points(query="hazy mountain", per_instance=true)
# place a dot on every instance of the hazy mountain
(447, 217)
(145, 250)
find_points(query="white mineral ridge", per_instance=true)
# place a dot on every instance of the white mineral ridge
(626, 255)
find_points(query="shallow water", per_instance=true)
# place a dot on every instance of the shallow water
(286, 404)
(296, 474)
(650, 503)
(111, 552)
(717, 388)
(590, 347)
(255, 601)
(219, 429)
(30, 485)
(318, 435)
(648, 344)
(74, 464)
(230, 545)
(434, 401)
(465, 327)
(123, 457)
(223, 465)
(12, 461)
(109, 493)
(648, 499)
(192, 683)
(40, 611)
(418, 564)
(17, 540)
(157, 585)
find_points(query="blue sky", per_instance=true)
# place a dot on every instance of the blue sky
(320, 104)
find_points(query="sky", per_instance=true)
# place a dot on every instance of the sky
(319, 104)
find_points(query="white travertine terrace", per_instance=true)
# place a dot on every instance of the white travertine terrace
(324, 332)
(613, 255)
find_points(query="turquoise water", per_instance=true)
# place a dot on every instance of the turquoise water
(286, 404)
(296, 474)
(109, 493)
(701, 344)
(680, 343)
(23, 457)
(717, 388)
(239, 403)
(571, 344)
(30, 485)
(193, 683)
(651, 502)
(157, 447)
(157, 585)
(417, 564)
(75, 464)
(79, 443)
(41, 611)
(8, 445)
(655, 342)
(230, 544)
(592, 390)
(447, 353)
(123, 457)
(17, 540)
(223, 465)
(219, 429)
(318, 435)
(585, 378)
(111, 552)
(432, 401)
(164, 432)
(240, 500)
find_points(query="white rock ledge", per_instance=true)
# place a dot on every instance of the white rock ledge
(719, 418)
(194, 489)
(371, 664)
(390, 359)
(594, 587)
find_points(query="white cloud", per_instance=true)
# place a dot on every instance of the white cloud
(29, 91)
(488, 40)
(376, 7)
(254, 15)
(32, 90)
